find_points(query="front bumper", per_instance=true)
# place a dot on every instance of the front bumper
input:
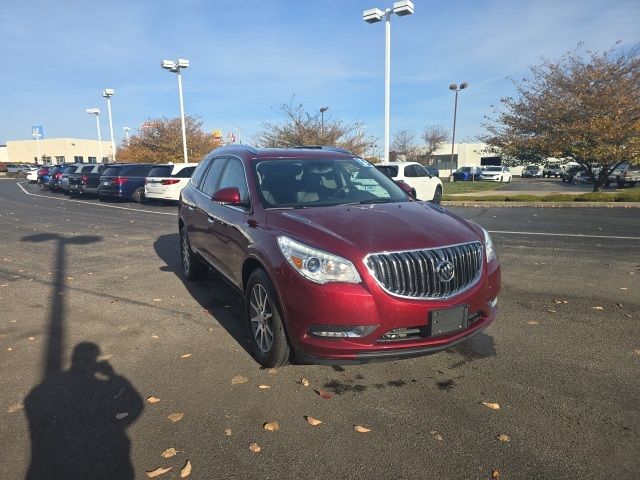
(306, 304)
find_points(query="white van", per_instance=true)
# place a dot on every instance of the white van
(165, 182)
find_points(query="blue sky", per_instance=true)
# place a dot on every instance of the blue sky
(249, 56)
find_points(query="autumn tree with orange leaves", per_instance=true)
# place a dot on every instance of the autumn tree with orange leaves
(584, 108)
(160, 141)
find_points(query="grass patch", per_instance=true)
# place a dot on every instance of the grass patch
(468, 187)
(619, 196)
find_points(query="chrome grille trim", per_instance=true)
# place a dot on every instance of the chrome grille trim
(412, 273)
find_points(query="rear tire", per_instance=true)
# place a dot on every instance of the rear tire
(192, 267)
(437, 195)
(264, 322)
(138, 195)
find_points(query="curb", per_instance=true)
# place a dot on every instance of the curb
(469, 203)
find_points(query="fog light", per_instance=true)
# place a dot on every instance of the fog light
(341, 331)
(493, 302)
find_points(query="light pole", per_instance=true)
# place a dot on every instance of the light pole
(126, 133)
(322, 110)
(108, 93)
(176, 67)
(456, 89)
(374, 15)
(96, 112)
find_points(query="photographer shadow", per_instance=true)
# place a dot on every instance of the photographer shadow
(77, 417)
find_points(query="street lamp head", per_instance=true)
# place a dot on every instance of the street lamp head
(323, 109)
(108, 92)
(403, 8)
(168, 65)
(182, 63)
(373, 15)
(126, 129)
(453, 86)
(93, 111)
(464, 85)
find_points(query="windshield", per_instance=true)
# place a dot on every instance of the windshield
(493, 169)
(300, 183)
(533, 167)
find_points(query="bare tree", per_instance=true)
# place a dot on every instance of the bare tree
(303, 128)
(404, 144)
(434, 138)
(584, 108)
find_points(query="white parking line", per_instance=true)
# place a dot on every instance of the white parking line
(96, 204)
(579, 235)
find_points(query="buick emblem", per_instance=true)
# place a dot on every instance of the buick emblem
(445, 271)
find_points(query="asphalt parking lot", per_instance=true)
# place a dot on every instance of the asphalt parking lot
(562, 360)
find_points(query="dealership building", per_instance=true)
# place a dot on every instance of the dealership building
(56, 150)
(466, 155)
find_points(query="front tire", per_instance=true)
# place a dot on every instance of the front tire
(138, 195)
(264, 322)
(192, 266)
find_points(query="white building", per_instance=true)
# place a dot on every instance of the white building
(466, 155)
(58, 150)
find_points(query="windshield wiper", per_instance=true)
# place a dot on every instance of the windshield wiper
(376, 200)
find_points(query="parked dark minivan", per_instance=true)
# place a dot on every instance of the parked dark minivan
(124, 181)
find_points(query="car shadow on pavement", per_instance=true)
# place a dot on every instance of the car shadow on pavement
(77, 417)
(214, 294)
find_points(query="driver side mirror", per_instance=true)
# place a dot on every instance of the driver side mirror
(227, 196)
(406, 188)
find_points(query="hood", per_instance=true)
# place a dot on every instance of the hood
(361, 229)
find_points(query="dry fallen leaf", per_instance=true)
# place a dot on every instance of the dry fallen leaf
(551, 310)
(153, 400)
(264, 387)
(227, 432)
(436, 435)
(157, 299)
(102, 358)
(176, 417)
(495, 474)
(271, 426)
(186, 470)
(169, 452)
(324, 394)
(15, 407)
(158, 471)
(254, 447)
(492, 406)
(239, 379)
(361, 429)
(120, 416)
(31, 339)
(533, 322)
(503, 438)
(155, 336)
(185, 355)
(313, 421)
(624, 288)
(304, 382)
(637, 351)
(272, 371)
(597, 308)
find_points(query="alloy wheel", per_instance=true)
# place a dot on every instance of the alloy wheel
(261, 316)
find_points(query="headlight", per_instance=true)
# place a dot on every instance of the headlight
(488, 247)
(316, 265)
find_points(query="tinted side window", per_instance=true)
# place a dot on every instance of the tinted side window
(410, 171)
(70, 169)
(211, 180)
(87, 169)
(199, 172)
(111, 172)
(421, 171)
(185, 173)
(233, 176)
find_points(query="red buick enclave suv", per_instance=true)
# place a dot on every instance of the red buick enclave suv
(335, 262)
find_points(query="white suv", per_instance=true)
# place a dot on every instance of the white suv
(165, 182)
(426, 186)
(496, 174)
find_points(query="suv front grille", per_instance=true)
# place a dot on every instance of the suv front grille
(414, 273)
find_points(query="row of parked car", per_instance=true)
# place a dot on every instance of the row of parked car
(121, 181)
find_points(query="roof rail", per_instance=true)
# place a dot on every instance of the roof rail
(239, 145)
(322, 147)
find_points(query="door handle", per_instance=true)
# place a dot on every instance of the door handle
(210, 221)
(191, 209)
